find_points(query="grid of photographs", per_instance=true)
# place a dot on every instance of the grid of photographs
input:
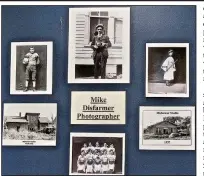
(99, 52)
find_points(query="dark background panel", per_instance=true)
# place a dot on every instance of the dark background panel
(157, 55)
(78, 142)
(41, 76)
(149, 24)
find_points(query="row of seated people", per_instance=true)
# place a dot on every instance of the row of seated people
(97, 159)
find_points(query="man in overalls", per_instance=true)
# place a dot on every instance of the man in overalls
(100, 45)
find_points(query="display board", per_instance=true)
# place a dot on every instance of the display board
(148, 24)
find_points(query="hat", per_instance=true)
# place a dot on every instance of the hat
(170, 51)
(100, 25)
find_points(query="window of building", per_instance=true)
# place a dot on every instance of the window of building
(118, 33)
(99, 17)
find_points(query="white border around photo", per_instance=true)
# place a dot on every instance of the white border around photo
(171, 144)
(112, 135)
(13, 91)
(125, 46)
(163, 45)
(13, 109)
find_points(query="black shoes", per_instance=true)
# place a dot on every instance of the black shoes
(26, 89)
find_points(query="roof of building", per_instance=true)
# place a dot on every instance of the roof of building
(31, 113)
(162, 122)
(44, 120)
(16, 119)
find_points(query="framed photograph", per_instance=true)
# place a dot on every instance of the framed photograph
(29, 124)
(167, 70)
(31, 68)
(99, 45)
(97, 154)
(106, 107)
(167, 128)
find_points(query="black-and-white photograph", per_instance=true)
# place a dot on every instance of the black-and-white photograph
(167, 70)
(167, 128)
(32, 124)
(99, 45)
(97, 153)
(31, 68)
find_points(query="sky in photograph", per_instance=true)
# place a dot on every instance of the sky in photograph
(151, 117)
(45, 110)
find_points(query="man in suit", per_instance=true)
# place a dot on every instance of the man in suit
(100, 45)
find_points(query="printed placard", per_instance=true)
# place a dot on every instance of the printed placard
(98, 107)
(167, 128)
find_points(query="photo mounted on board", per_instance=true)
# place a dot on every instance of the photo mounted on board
(167, 128)
(31, 68)
(167, 70)
(29, 124)
(97, 154)
(99, 45)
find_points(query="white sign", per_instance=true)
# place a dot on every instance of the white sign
(98, 107)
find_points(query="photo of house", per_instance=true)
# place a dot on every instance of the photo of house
(29, 122)
(167, 128)
(162, 128)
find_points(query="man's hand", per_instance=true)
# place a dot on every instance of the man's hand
(104, 44)
(95, 46)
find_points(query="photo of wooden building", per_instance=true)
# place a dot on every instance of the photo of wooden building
(30, 122)
(162, 128)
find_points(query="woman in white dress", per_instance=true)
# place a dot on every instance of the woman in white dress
(111, 160)
(105, 165)
(169, 68)
(81, 163)
(97, 163)
(89, 162)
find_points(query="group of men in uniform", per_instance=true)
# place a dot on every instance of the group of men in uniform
(96, 159)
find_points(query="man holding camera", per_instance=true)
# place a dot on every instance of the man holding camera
(100, 45)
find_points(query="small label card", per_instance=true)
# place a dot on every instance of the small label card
(94, 107)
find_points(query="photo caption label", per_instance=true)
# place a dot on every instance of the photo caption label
(98, 108)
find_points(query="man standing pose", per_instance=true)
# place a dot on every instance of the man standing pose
(100, 45)
(169, 68)
(31, 60)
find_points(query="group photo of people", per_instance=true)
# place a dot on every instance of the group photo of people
(96, 159)
(97, 155)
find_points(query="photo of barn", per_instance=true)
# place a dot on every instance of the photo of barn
(29, 121)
